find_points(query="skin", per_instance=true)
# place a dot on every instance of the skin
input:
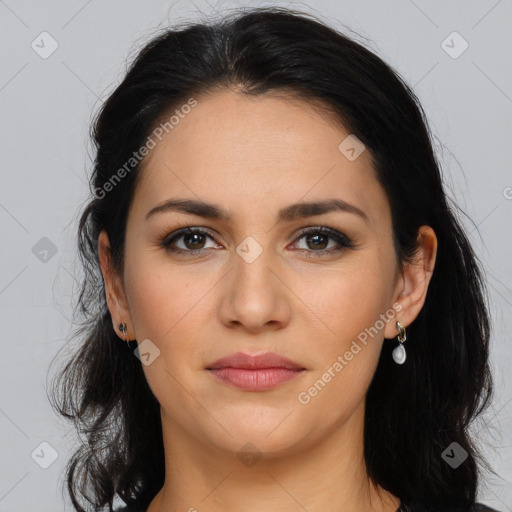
(254, 156)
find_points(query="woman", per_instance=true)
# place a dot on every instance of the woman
(282, 310)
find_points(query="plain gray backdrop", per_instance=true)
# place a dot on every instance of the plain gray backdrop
(60, 60)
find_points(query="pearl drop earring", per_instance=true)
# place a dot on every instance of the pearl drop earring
(399, 354)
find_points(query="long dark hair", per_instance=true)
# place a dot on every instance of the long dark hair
(414, 411)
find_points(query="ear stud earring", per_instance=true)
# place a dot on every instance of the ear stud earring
(124, 330)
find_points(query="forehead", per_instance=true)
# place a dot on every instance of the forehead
(250, 153)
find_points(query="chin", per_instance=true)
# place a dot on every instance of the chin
(272, 439)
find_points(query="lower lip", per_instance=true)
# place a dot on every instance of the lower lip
(255, 380)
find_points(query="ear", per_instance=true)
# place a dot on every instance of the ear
(411, 290)
(116, 298)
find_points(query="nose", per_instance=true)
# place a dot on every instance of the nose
(255, 296)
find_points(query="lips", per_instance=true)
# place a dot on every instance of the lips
(257, 362)
(255, 373)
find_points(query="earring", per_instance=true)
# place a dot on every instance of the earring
(123, 329)
(399, 352)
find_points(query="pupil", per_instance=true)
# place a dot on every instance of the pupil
(316, 237)
(192, 235)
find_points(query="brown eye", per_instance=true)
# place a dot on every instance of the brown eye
(193, 241)
(318, 240)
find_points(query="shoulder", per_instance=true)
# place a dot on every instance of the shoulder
(422, 507)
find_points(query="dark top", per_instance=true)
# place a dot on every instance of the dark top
(421, 507)
(404, 507)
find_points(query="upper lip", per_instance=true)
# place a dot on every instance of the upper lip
(247, 361)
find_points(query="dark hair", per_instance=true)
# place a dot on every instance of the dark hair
(414, 411)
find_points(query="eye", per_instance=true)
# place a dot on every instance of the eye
(193, 240)
(319, 237)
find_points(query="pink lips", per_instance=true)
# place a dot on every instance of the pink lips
(255, 373)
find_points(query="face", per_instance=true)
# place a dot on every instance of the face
(254, 282)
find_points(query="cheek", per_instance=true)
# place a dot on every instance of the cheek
(347, 358)
(171, 306)
(167, 309)
(347, 308)
(348, 299)
(161, 295)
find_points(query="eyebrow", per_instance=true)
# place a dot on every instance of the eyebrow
(288, 213)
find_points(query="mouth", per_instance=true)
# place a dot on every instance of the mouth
(255, 373)
(255, 380)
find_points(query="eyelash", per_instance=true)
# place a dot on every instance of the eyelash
(345, 242)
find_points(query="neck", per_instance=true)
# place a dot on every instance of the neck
(328, 475)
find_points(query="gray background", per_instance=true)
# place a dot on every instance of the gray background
(47, 105)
